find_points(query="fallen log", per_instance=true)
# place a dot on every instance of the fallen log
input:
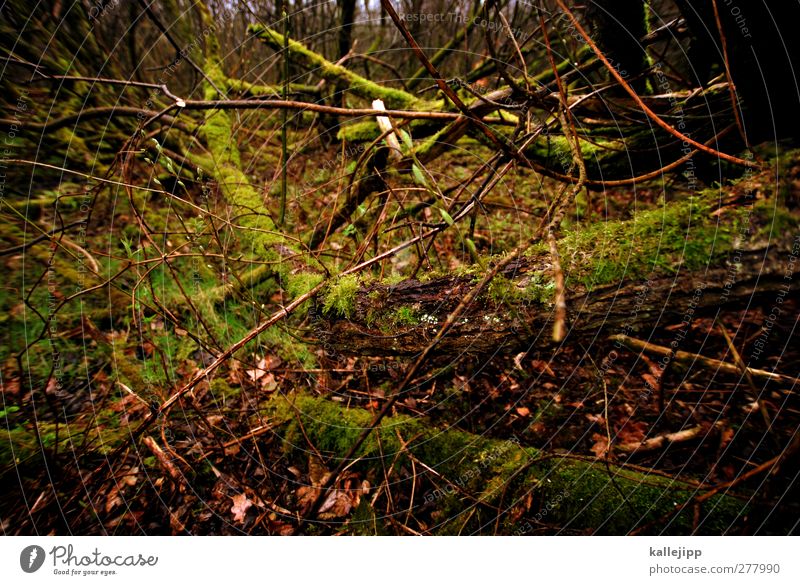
(358, 85)
(621, 276)
(478, 485)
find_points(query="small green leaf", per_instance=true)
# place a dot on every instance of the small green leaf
(446, 217)
(8, 410)
(419, 178)
(406, 138)
(473, 251)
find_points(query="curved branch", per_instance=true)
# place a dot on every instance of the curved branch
(650, 113)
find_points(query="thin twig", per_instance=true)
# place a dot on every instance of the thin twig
(650, 113)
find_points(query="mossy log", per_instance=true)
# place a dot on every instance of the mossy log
(620, 276)
(469, 480)
(247, 89)
(356, 84)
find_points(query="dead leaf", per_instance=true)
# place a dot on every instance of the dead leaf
(600, 447)
(240, 506)
(651, 381)
(11, 386)
(235, 372)
(317, 471)
(633, 432)
(726, 436)
(305, 497)
(542, 366)
(263, 375)
(336, 505)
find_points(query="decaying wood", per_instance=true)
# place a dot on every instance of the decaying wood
(490, 326)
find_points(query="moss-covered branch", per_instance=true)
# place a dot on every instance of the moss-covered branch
(356, 84)
(245, 88)
(475, 476)
(223, 161)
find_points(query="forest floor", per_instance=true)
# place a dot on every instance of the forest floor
(219, 465)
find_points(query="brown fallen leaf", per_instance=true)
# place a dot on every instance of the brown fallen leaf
(240, 506)
(632, 432)
(337, 504)
(542, 366)
(600, 447)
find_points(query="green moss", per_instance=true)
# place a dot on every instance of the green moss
(405, 316)
(224, 160)
(299, 284)
(579, 494)
(393, 278)
(21, 443)
(502, 290)
(341, 296)
(287, 346)
(654, 241)
(253, 89)
(540, 289)
(223, 391)
(365, 131)
(535, 288)
(424, 148)
(773, 219)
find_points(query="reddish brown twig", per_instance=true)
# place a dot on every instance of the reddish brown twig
(632, 92)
